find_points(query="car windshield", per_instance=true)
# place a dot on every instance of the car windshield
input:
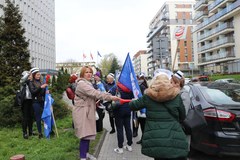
(222, 96)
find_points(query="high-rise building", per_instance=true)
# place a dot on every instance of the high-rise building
(218, 33)
(39, 23)
(161, 43)
(140, 62)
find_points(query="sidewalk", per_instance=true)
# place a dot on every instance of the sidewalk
(110, 142)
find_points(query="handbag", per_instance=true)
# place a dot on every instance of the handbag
(195, 119)
(96, 115)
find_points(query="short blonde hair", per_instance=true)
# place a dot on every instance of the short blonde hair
(83, 70)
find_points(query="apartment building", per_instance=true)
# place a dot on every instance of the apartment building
(140, 62)
(218, 33)
(39, 23)
(162, 46)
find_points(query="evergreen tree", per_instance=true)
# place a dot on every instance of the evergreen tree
(14, 54)
(14, 59)
(115, 66)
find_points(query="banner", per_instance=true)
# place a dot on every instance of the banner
(180, 32)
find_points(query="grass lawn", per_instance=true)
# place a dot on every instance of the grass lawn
(66, 147)
(218, 76)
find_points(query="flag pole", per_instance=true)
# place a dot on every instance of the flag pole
(54, 122)
(175, 56)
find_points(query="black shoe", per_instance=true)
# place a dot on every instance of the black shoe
(32, 134)
(112, 131)
(135, 134)
(40, 135)
(25, 136)
(139, 142)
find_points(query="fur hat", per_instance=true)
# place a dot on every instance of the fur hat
(179, 74)
(161, 89)
(111, 75)
(34, 70)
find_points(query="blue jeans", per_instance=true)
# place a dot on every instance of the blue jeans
(38, 108)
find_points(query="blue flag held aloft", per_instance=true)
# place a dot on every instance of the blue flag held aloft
(47, 111)
(129, 80)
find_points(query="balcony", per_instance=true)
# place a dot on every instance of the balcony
(217, 43)
(217, 31)
(200, 14)
(200, 5)
(223, 56)
(224, 12)
(161, 25)
(213, 7)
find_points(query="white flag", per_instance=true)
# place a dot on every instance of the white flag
(180, 32)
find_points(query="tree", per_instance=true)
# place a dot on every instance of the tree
(14, 59)
(106, 63)
(14, 54)
(115, 66)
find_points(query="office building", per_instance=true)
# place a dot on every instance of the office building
(38, 19)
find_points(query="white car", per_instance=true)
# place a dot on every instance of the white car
(227, 80)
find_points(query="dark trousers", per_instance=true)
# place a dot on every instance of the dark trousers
(142, 124)
(99, 122)
(84, 148)
(38, 108)
(123, 121)
(111, 119)
(27, 113)
(134, 123)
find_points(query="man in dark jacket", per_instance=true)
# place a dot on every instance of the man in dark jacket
(122, 115)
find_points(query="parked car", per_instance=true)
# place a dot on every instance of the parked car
(200, 79)
(221, 107)
(227, 80)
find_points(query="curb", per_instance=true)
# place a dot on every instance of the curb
(100, 143)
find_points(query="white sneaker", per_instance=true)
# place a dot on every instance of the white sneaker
(118, 150)
(91, 157)
(128, 148)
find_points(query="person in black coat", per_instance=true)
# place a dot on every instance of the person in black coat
(110, 87)
(26, 107)
(37, 89)
(122, 113)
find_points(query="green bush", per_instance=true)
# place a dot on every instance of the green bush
(60, 108)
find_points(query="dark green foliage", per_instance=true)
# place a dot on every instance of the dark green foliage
(62, 82)
(14, 59)
(115, 66)
(60, 108)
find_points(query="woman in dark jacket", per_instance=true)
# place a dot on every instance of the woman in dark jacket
(122, 115)
(37, 89)
(163, 137)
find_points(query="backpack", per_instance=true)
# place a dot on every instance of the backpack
(18, 101)
(70, 93)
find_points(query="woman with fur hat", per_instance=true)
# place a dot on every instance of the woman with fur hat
(37, 89)
(163, 137)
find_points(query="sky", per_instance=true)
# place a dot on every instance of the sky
(107, 26)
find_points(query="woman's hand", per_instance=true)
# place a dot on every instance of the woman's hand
(115, 98)
(44, 85)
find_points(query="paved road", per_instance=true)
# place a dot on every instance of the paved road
(110, 142)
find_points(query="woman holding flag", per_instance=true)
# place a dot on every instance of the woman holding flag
(84, 110)
(37, 89)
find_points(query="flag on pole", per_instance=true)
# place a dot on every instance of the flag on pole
(91, 56)
(47, 113)
(84, 56)
(180, 32)
(99, 54)
(128, 79)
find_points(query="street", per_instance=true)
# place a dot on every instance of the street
(201, 156)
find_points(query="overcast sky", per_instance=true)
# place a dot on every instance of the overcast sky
(107, 26)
